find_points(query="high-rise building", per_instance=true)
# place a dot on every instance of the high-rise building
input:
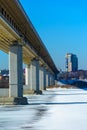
(71, 62)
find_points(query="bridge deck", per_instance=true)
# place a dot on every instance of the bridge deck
(21, 28)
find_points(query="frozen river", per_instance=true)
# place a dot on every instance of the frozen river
(56, 109)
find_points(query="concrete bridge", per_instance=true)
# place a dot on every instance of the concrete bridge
(20, 40)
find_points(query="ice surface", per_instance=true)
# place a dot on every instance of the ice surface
(56, 109)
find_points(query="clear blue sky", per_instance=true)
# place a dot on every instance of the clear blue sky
(62, 26)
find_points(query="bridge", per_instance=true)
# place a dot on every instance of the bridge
(20, 40)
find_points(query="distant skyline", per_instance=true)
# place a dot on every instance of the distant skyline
(62, 26)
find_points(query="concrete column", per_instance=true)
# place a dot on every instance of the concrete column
(44, 81)
(46, 78)
(34, 74)
(42, 78)
(15, 71)
(27, 76)
(52, 80)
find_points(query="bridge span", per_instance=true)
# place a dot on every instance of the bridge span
(20, 40)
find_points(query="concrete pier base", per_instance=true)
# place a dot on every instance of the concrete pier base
(38, 92)
(13, 101)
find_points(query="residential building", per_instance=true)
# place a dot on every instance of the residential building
(71, 62)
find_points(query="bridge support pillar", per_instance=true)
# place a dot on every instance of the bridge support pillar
(52, 80)
(16, 74)
(46, 78)
(28, 87)
(44, 69)
(34, 75)
(42, 78)
(27, 76)
(49, 79)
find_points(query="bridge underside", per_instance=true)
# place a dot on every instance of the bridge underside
(19, 38)
(8, 36)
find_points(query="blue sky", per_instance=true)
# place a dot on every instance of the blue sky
(62, 26)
